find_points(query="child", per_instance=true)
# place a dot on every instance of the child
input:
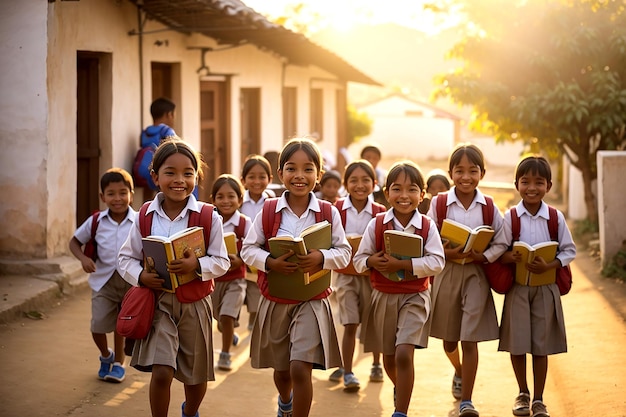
(355, 291)
(329, 186)
(107, 286)
(532, 317)
(396, 323)
(256, 175)
(436, 183)
(293, 336)
(373, 155)
(179, 344)
(463, 308)
(230, 290)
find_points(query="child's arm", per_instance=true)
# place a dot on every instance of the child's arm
(253, 252)
(433, 260)
(500, 242)
(76, 248)
(130, 258)
(338, 256)
(509, 256)
(366, 256)
(216, 262)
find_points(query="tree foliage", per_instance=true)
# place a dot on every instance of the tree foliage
(359, 124)
(550, 72)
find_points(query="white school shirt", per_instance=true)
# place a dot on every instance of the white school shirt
(473, 217)
(110, 236)
(356, 222)
(251, 208)
(253, 251)
(131, 253)
(231, 224)
(431, 263)
(534, 229)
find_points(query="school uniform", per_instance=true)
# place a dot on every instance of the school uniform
(532, 317)
(353, 292)
(399, 311)
(291, 330)
(181, 333)
(107, 286)
(230, 289)
(463, 307)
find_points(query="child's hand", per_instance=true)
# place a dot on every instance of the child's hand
(235, 262)
(187, 264)
(88, 264)
(281, 264)
(149, 278)
(378, 261)
(395, 264)
(510, 257)
(477, 256)
(538, 265)
(454, 253)
(311, 261)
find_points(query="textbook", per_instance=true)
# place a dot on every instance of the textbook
(230, 239)
(403, 245)
(158, 251)
(546, 250)
(459, 234)
(300, 285)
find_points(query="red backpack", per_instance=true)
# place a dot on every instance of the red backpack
(91, 248)
(196, 289)
(270, 221)
(240, 232)
(563, 273)
(376, 208)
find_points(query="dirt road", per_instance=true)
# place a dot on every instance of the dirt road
(49, 369)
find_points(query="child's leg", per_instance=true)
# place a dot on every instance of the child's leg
(519, 368)
(347, 346)
(468, 368)
(194, 394)
(389, 362)
(119, 348)
(160, 384)
(227, 325)
(100, 339)
(375, 358)
(404, 376)
(452, 352)
(540, 371)
(282, 381)
(302, 387)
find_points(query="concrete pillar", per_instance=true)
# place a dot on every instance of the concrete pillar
(611, 202)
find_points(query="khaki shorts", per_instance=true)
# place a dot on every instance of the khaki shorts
(105, 304)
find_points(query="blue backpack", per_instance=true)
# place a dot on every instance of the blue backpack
(150, 139)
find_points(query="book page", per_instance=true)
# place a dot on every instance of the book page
(192, 240)
(527, 252)
(479, 241)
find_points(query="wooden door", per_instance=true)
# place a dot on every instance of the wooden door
(214, 134)
(87, 136)
(250, 121)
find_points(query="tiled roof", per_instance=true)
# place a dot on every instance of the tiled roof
(231, 22)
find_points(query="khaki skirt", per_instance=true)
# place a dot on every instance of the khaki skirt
(294, 332)
(463, 308)
(228, 298)
(354, 295)
(532, 321)
(396, 319)
(181, 337)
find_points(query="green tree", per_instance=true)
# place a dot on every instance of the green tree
(359, 124)
(546, 72)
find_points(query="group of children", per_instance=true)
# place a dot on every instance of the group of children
(438, 298)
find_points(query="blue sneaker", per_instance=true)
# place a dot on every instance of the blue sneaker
(105, 365)
(235, 339)
(117, 373)
(285, 409)
(182, 412)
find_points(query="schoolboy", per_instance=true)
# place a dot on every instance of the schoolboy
(108, 287)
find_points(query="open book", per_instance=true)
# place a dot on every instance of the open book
(470, 239)
(403, 245)
(300, 285)
(158, 251)
(546, 250)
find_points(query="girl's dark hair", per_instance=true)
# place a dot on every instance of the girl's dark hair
(330, 175)
(473, 152)
(410, 169)
(116, 175)
(359, 163)
(173, 145)
(537, 165)
(231, 180)
(307, 145)
(371, 148)
(438, 176)
(254, 160)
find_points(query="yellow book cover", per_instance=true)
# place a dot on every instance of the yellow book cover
(230, 238)
(546, 250)
(160, 250)
(300, 285)
(459, 234)
(403, 245)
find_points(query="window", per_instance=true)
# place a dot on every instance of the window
(290, 112)
(317, 113)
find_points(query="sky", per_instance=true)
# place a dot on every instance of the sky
(344, 14)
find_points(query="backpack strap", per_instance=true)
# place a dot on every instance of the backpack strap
(441, 208)
(240, 229)
(94, 224)
(553, 224)
(203, 219)
(488, 211)
(270, 219)
(377, 208)
(379, 229)
(515, 224)
(342, 212)
(325, 213)
(145, 219)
